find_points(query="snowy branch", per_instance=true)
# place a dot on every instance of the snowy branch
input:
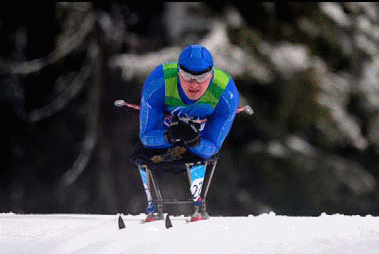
(80, 23)
(65, 97)
(90, 140)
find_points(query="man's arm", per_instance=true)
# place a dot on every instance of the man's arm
(152, 111)
(219, 123)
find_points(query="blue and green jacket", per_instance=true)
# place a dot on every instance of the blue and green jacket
(162, 97)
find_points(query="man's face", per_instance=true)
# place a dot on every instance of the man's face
(194, 86)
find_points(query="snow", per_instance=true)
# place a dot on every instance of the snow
(268, 233)
(290, 58)
(335, 11)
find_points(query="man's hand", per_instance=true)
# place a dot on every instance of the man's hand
(183, 130)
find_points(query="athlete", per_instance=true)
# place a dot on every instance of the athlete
(187, 107)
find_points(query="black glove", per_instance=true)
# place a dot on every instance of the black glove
(183, 131)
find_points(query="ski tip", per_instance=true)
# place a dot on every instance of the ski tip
(121, 223)
(168, 222)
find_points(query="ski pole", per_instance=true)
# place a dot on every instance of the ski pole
(122, 103)
(246, 109)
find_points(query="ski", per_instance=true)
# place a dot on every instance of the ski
(164, 219)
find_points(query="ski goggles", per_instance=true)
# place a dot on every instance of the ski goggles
(199, 78)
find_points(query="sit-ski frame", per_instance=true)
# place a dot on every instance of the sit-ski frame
(152, 182)
(151, 179)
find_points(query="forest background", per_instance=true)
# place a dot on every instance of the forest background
(309, 70)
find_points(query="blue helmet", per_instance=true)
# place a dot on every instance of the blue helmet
(195, 59)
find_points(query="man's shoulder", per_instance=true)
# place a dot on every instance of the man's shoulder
(153, 87)
(229, 99)
(222, 71)
(155, 78)
(157, 73)
(230, 91)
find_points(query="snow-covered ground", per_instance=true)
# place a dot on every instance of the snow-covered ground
(63, 233)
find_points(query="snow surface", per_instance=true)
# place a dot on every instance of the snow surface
(268, 233)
